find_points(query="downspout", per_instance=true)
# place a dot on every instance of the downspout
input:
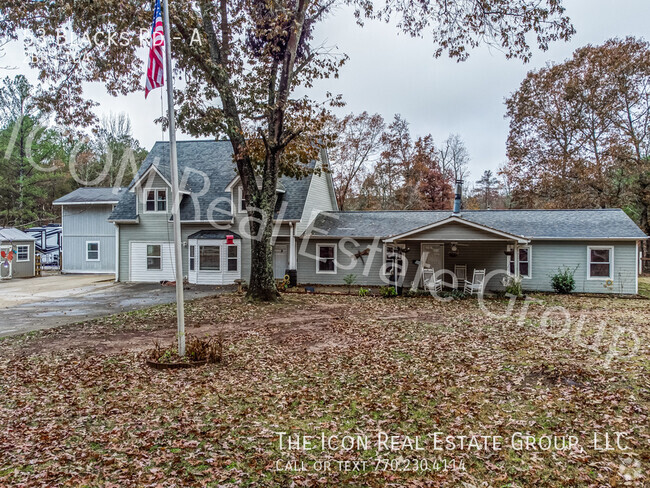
(117, 251)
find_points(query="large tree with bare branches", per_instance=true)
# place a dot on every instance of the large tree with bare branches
(241, 62)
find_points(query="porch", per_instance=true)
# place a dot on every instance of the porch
(454, 250)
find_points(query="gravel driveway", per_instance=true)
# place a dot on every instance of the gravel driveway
(83, 299)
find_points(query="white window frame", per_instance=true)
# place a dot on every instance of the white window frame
(611, 262)
(240, 197)
(218, 246)
(155, 200)
(515, 258)
(191, 254)
(228, 258)
(18, 260)
(146, 257)
(98, 251)
(318, 259)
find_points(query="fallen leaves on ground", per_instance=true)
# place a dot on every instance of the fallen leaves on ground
(78, 407)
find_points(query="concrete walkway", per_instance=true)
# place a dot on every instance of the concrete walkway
(42, 303)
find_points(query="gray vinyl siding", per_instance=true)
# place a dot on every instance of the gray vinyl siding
(22, 269)
(367, 271)
(83, 223)
(548, 256)
(489, 255)
(320, 198)
(454, 231)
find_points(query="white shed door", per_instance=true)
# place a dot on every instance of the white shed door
(144, 262)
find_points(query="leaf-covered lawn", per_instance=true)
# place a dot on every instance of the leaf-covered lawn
(78, 407)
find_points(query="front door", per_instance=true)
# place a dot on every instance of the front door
(280, 260)
(433, 256)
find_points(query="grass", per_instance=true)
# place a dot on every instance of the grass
(644, 286)
(94, 415)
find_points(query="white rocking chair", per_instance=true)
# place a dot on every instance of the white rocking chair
(477, 284)
(430, 282)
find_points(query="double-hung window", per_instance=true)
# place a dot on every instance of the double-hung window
(326, 262)
(241, 201)
(600, 262)
(22, 253)
(232, 258)
(521, 264)
(154, 257)
(92, 251)
(156, 200)
(192, 258)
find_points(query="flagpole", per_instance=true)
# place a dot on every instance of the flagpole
(178, 250)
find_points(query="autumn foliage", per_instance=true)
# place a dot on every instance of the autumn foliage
(580, 132)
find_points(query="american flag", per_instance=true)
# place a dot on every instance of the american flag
(155, 77)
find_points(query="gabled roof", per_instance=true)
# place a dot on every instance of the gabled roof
(454, 218)
(13, 234)
(199, 162)
(91, 196)
(530, 224)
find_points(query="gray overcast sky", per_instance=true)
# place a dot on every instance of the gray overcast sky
(391, 73)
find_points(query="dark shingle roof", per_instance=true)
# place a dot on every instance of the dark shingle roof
(91, 196)
(202, 161)
(214, 234)
(535, 224)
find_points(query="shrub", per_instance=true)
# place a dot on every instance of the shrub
(350, 280)
(513, 285)
(388, 291)
(364, 292)
(209, 349)
(563, 281)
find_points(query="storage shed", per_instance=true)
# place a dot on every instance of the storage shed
(21, 246)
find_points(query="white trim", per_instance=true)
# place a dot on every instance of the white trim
(111, 202)
(228, 258)
(292, 247)
(145, 200)
(240, 197)
(232, 184)
(198, 255)
(318, 258)
(638, 261)
(18, 260)
(611, 263)
(98, 251)
(587, 238)
(459, 220)
(117, 252)
(516, 259)
(136, 184)
(123, 221)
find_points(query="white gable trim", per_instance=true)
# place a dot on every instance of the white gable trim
(453, 218)
(137, 183)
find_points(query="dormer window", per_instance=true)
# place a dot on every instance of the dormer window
(156, 201)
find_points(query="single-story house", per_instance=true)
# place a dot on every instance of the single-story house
(21, 246)
(88, 242)
(322, 244)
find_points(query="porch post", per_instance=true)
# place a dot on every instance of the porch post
(292, 247)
